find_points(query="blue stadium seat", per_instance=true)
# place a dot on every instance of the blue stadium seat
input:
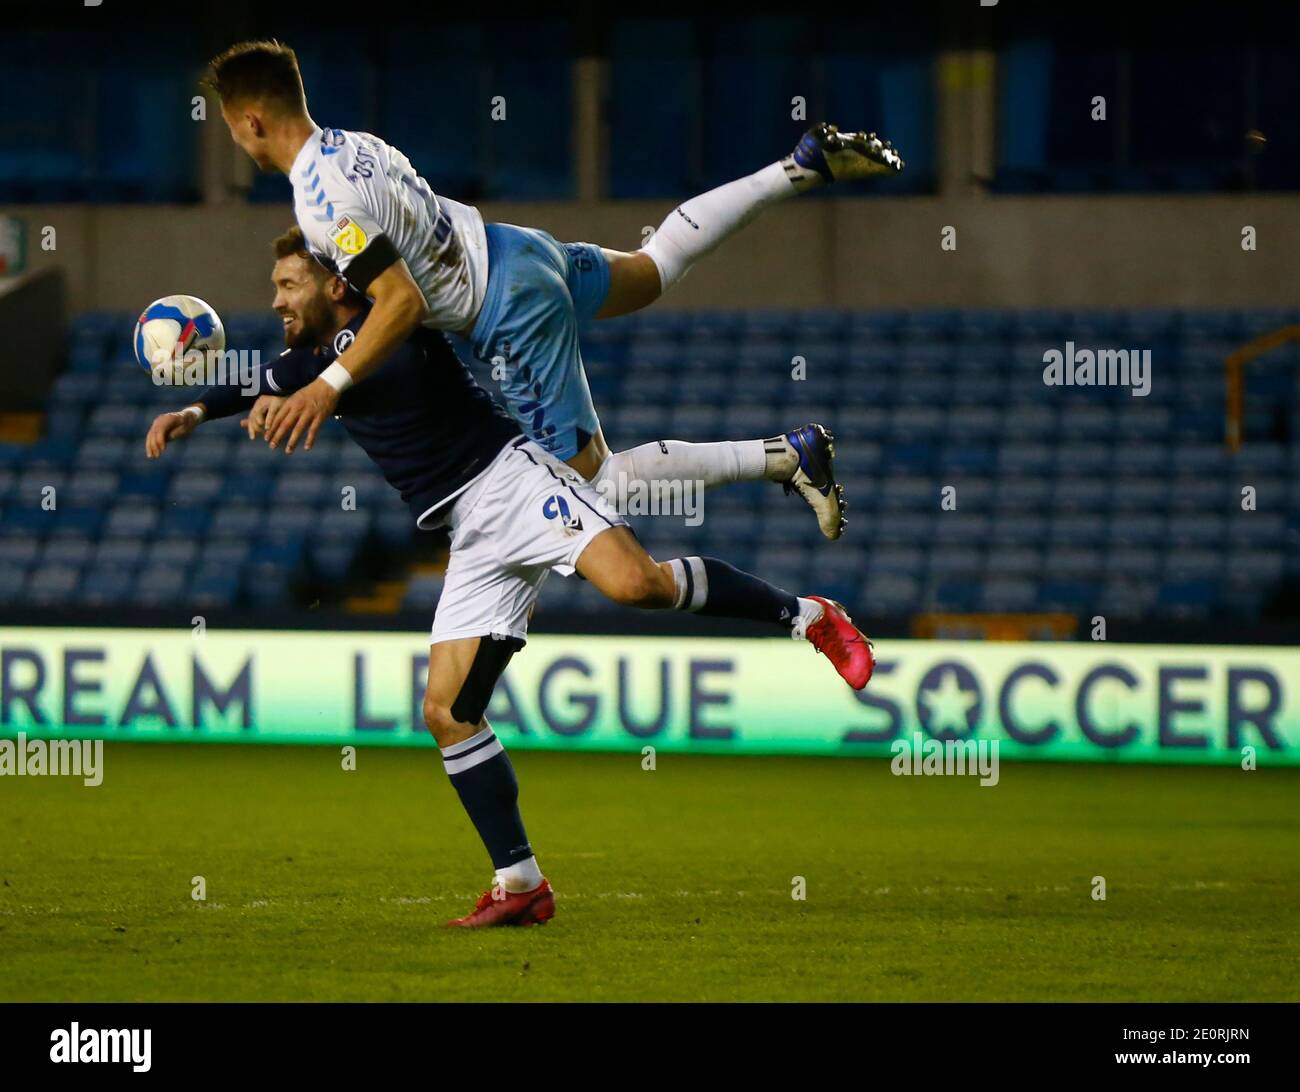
(909, 493)
(1138, 530)
(332, 560)
(131, 519)
(1092, 458)
(954, 596)
(1256, 529)
(1198, 563)
(962, 528)
(975, 424)
(423, 591)
(104, 452)
(217, 587)
(1022, 493)
(157, 586)
(106, 586)
(1018, 528)
(29, 521)
(149, 484)
(1140, 494)
(253, 488)
(178, 522)
(905, 528)
(1073, 563)
(174, 553)
(18, 551)
(1080, 494)
(1087, 423)
(1076, 530)
(1025, 458)
(972, 494)
(891, 594)
(956, 562)
(1072, 597)
(1009, 595)
(119, 553)
(65, 551)
(1126, 599)
(13, 581)
(1014, 561)
(53, 585)
(1134, 563)
(1188, 598)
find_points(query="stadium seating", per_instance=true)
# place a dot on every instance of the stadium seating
(1067, 498)
(1170, 130)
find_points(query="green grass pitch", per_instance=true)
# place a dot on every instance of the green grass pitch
(672, 884)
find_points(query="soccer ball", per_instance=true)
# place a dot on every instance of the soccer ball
(174, 332)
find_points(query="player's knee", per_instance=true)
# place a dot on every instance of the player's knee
(649, 587)
(439, 721)
(606, 479)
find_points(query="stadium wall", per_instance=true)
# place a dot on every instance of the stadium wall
(1012, 252)
(1088, 701)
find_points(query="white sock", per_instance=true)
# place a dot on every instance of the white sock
(673, 461)
(697, 226)
(782, 459)
(809, 612)
(522, 876)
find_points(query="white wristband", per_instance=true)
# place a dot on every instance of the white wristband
(337, 377)
(196, 410)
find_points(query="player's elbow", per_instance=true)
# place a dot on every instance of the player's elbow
(410, 306)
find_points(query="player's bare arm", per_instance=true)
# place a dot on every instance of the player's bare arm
(172, 426)
(260, 416)
(398, 309)
(175, 425)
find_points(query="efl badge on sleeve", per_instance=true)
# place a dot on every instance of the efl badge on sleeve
(348, 236)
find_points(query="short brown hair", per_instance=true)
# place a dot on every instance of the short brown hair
(264, 71)
(293, 242)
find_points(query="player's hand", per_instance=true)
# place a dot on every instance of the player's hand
(262, 416)
(166, 428)
(304, 411)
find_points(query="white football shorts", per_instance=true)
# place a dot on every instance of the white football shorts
(526, 514)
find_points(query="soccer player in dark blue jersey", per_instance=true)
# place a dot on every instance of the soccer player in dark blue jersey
(515, 512)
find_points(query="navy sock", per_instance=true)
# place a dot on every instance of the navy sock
(481, 771)
(706, 585)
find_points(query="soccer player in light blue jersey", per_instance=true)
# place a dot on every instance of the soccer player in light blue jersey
(514, 292)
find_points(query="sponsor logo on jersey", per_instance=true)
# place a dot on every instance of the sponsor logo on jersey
(342, 340)
(557, 507)
(348, 236)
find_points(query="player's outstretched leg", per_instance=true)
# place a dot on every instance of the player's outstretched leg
(620, 568)
(802, 460)
(462, 675)
(824, 155)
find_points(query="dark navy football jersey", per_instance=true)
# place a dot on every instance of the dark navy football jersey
(422, 418)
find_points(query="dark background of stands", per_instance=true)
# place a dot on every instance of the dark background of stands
(695, 97)
(1077, 501)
